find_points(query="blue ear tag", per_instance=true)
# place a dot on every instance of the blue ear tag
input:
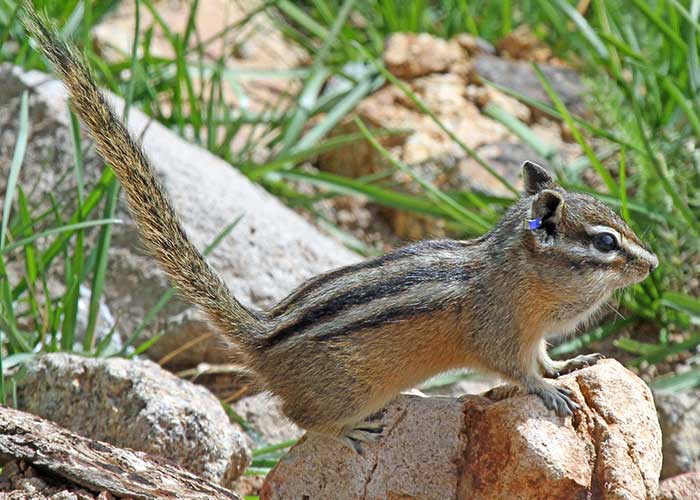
(534, 223)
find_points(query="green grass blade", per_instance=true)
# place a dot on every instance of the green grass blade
(448, 204)
(303, 19)
(651, 157)
(588, 32)
(68, 229)
(129, 99)
(105, 343)
(15, 165)
(677, 382)
(636, 347)
(669, 33)
(273, 448)
(77, 155)
(333, 117)
(70, 313)
(550, 111)
(344, 185)
(2, 370)
(145, 345)
(520, 129)
(30, 252)
(659, 353)
(683, 303)
(60, 243)
(102, 253)
(578, 136)
(424, 109)
(256, 171)
(596, 335)
(622, 174)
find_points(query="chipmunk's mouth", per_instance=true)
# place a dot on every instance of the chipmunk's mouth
(641, 273)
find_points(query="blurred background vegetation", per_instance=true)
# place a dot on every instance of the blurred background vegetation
(640, 63)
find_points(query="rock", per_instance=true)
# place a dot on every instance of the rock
(683, 487)
(427, 149)
(440, 73)
(257, 44)
(477, 448)
(270, 251)
(138, 405)
(264, 414)
(20, 481)
(521, 43)
(248, 486)
(485, 95)
(679, 417)
(408, 55)
(474, 45)
(505, 157)
(520, 77)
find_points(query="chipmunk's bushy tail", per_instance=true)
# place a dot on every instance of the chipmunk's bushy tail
(159, 225)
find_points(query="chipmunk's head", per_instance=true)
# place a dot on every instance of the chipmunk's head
(578, 238)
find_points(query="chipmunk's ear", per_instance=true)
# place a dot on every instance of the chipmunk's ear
(536, 178)
(548, 207)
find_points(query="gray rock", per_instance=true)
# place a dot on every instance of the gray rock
(264, 414)
(138, 405)
(519, 76)
(270, 251)
(679, 417)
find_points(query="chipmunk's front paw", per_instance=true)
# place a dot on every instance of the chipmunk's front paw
(555, 398)
(581, 361)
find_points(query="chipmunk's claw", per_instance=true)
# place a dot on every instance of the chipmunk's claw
(557, 399)
(581, 361)
(363, 432)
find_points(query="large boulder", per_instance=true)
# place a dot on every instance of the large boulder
(269, 252)
(679, 417)
(682, 487)
(479, 448)
(138, 405)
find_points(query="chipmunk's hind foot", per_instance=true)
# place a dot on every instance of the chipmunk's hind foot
(363, 432)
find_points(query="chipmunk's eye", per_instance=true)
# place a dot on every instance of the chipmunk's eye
(605, 242)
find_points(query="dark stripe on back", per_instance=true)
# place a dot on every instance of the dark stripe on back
(391, 315)
(336, 305)
(406, 252)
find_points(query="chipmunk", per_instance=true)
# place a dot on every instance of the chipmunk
(343, 344)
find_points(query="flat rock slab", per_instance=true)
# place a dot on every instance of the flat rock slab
(479, 448)
(137, 405)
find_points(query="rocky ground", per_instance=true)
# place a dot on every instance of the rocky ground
(440, 447)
